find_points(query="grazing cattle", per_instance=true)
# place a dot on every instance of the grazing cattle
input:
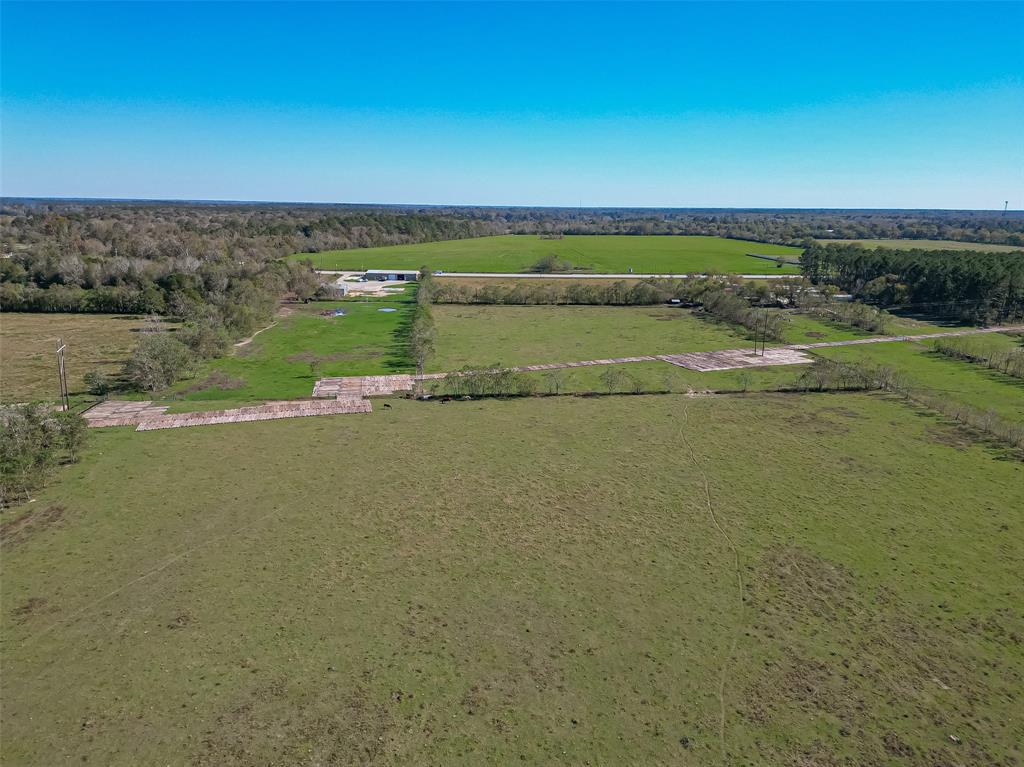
(387, 406)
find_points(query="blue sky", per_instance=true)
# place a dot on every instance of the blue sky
(729, 104)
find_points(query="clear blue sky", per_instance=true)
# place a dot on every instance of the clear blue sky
(728, 104)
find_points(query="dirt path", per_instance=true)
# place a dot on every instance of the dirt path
(737, 572)
(247, 341)
(282, 311)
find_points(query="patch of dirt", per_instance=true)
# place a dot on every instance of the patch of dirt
(30, 607)
(814, 334)
(845, 412)
(950, 436)
(816, 422)
(216, 380)
(181, 620)
(333, 726)
(17, 531)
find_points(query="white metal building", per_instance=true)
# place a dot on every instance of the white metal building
(392, 275)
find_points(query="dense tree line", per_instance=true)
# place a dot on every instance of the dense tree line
(977, 286)
(257, 232)
(852, 313)
(422, 332)
(621, 293)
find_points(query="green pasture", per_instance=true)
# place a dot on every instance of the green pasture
(807, 329)
(481, 335)
(528, 581)
(591, 253)
(285, 361)
(926, 245)
(967, 382)
(648, 377)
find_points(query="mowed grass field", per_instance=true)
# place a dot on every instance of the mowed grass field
(285, 361)
(967, 382)
(527, 335)
(926, 245)
(612, 254)
(529, 581)
(28, 362)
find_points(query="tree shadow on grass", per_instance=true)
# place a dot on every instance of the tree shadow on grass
(399, 351)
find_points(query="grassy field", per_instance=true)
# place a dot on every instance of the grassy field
(804, 328)
(961, 381)
(593, 253)
(28, 343)
(925, 245)
(651, 377)
(527, 335)
(530, 581)
(277, 364)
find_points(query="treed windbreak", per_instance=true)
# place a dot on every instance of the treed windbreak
(976, 286)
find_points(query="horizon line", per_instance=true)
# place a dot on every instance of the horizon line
(297, 203)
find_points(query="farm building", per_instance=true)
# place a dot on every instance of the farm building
(392, 275)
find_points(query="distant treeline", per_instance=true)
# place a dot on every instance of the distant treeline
(149, 257)
(976, 286)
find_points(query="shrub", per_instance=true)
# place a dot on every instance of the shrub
(157, 362)
(33, 439)
(98, 383)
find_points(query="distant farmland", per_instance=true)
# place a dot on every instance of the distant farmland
(925, 245)
(586, 253)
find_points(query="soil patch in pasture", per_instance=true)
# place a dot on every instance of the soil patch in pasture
(216, 380)
(17, 531)
(344, 726)
(28, 608)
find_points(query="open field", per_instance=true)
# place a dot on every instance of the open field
(926, 245)
(593, 253)
(527, 335)
(651, 377)
(28, 343)
(276, 364)
(575, 601)
(804, 328)
(960, 381)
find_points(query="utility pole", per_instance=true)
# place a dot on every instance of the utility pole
(62, 377)
(764, 335)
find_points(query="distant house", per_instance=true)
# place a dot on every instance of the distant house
(392, 275)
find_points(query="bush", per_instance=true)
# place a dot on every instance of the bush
(98, 383)
(551, 263)
(34, 439)
(157, 362)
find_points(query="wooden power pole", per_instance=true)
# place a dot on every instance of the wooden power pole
(62, 376)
